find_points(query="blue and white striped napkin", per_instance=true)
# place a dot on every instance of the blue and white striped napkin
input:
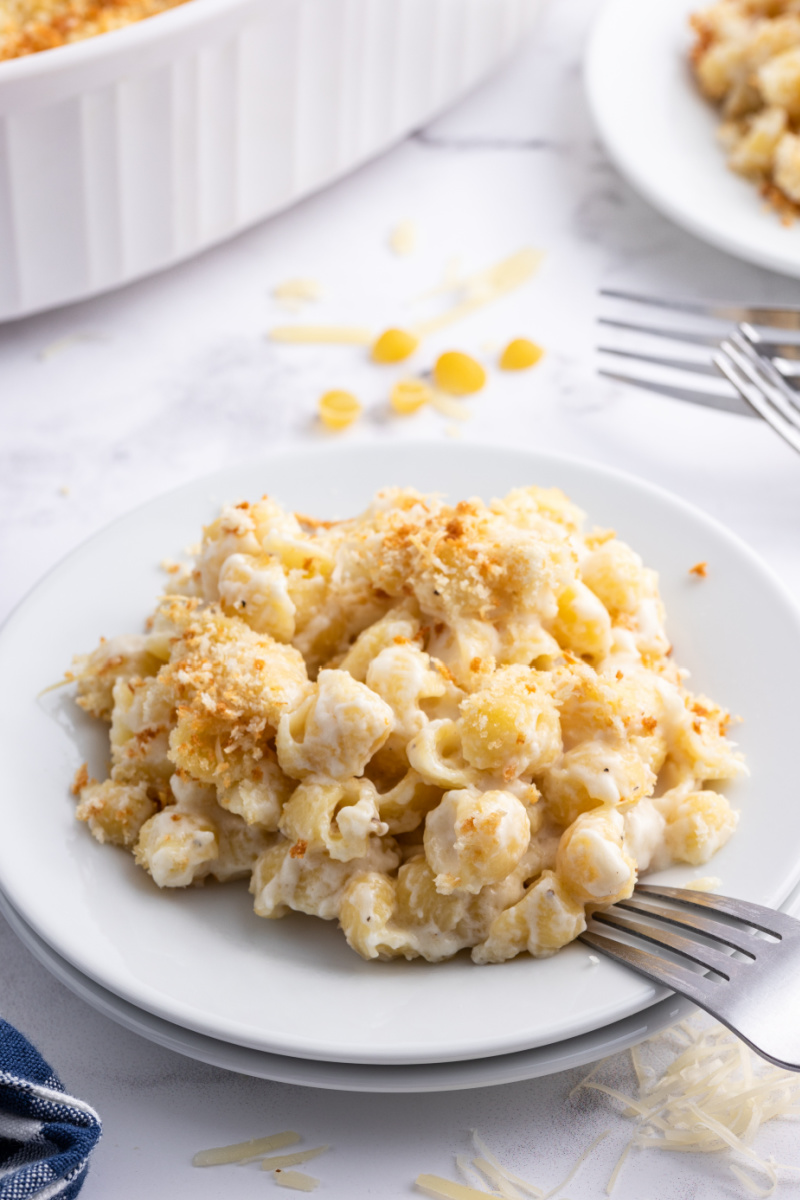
(46, 1135)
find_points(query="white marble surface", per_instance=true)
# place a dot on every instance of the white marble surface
(173, 377)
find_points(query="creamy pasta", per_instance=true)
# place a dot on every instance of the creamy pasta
(446, 727)
(746, 59)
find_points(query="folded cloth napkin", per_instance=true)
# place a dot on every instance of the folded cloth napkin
(46, 1135)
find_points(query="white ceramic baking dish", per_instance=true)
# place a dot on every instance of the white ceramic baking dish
(128, 152)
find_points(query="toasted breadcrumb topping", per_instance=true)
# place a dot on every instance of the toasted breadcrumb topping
(27, 26)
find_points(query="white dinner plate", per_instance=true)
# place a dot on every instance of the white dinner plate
(200, 958)
(354, 1077)
(661, 133)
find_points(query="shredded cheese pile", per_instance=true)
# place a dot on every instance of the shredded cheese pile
(712, 1097)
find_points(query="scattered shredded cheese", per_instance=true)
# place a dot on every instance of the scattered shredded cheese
(614, 1176)
(241, 1151)
(295, 1179)
(577, 1165)
(343, 335)
(466, 1168)
(485, 1153)
(484, 287)
(294, 293)
(53, 687)
(504, 1182)
(451, 279)
(448, 406)
(69, 339)
(699, 569)
(495, 1177)
(403, 238)
(291, 1160)
(473, 293)
(446, 1189)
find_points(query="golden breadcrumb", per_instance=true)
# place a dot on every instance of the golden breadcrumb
(27, 26)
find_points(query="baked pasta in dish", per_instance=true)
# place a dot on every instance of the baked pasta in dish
(746, 58)
(444, 727)
(27, 26)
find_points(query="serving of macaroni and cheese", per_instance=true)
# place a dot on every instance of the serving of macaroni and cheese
(746, 58)
(446, 727)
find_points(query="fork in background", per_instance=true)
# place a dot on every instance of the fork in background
(756, 996)
(756, 349)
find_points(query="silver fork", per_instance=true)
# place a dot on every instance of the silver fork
(757, 997)
(758, 353)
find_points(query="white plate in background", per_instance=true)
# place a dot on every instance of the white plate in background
(200, 958)
(662, 134)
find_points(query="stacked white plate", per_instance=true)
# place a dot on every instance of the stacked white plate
(195, 970)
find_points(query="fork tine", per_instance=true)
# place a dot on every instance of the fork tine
(697, 367)
(768, 920)
(704, 956)
(787, 317)
(730, 935)
(674, 335)
(768, 346)
(789, 370)
(786, 398)
(730, 404)
(661, 970)
(732, 364)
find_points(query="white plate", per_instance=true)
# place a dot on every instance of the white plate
(354, 1077)
(200, 958)
(661, 133)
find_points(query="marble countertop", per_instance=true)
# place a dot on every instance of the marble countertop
(112, 401)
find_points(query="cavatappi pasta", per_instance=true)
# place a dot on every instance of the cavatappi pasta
(444, 727)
